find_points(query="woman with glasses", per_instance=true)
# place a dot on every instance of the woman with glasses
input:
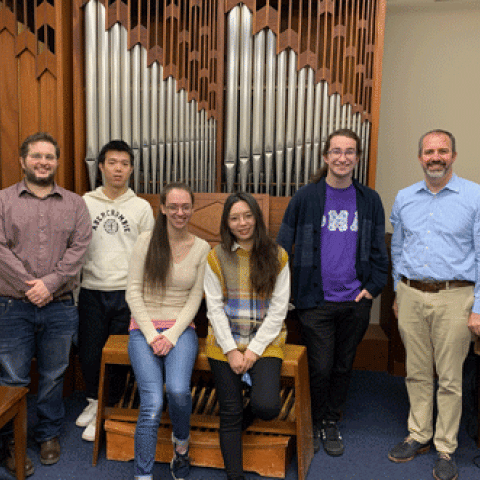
(336, 228)
(247, 287)
(164, 291)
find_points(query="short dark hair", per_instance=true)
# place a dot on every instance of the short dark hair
(343, 132)
(437, 130)
(115, 145)
(38, 137)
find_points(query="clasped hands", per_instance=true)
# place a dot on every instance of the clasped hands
(161, 345)
(240, 362)
(38, 293)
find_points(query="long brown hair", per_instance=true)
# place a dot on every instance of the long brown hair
(264, 261)
(343, 132)
(159, 253)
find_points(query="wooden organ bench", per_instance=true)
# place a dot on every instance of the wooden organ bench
(268, 446)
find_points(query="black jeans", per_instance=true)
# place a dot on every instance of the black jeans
(101, 314)
(264, 400)
(332, 334)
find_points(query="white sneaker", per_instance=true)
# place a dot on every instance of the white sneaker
(89, 433)
(89, 412)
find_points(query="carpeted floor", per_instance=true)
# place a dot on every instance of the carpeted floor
(374, 421)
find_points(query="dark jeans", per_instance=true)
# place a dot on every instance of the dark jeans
(332, 334)
(101, 314)
(46, 333)
(264, 400)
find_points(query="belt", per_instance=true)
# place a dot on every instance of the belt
(434, 287)
(64, 297)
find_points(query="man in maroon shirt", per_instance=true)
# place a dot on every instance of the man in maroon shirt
(44, 233)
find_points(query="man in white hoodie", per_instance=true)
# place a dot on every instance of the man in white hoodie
(118, 217)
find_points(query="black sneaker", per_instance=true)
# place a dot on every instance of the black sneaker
(331, 438)
(317, 439)
(180, 465)
(445, 468)
(406, 450)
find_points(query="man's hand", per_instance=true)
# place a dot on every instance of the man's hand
(364, 293)
(38, 294)
(395, 307)
(250, 358)
(236, 361)
(474, 323)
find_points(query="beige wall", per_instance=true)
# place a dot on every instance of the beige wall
(431, 79)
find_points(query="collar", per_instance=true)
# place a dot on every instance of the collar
(452, 185)
(236, 246)
(22, 188)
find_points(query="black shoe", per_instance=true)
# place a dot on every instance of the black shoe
(445, 468)
(406, 450)
(50, 451)
(331, 438)
(180, 465)
(9, 460)
(317, 439)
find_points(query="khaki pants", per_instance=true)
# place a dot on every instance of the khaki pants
(434, 330)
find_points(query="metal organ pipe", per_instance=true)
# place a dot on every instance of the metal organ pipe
(276, 117)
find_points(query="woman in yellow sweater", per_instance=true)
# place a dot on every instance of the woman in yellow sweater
(164, 291)
(247, 288)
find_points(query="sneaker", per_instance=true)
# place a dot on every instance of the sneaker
(317, 439)
(331, 438)
(406, 450)
(89, 432)
(445, 468)
(180, 465)
(10, 461)
(88, 413)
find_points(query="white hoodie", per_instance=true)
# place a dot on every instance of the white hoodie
(116, 225)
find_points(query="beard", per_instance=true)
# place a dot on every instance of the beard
(436, 173)
(39, 182)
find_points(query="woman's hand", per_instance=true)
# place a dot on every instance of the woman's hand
(161, 345)
(249, 359)
(236, 361)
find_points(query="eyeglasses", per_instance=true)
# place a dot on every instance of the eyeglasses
(177, 208)
(39, 156)
(337, 153)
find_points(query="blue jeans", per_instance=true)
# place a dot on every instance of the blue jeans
(46, 333)
(151, 372)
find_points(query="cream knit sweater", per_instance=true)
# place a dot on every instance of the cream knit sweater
(183, 292)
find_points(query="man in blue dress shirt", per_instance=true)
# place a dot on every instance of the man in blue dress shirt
(436, 270)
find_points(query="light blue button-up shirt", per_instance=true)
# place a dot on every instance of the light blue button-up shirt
(437, 236)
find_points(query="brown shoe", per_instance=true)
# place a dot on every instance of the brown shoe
(10, 461)
(50, 451)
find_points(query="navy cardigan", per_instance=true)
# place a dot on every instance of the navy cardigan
(301, 227)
